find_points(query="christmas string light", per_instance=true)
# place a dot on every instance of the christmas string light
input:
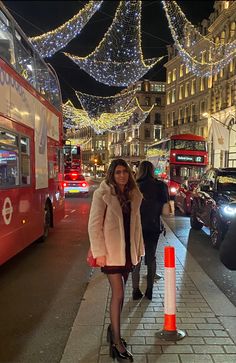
(74, 116)
(118, 59)
(49, 43)
(96, 105)
(186, 37)
(136, 119)
(75, 139)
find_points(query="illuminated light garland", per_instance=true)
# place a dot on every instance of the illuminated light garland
(49, 43)
(74, 116)
(135, 121)
(186, 37)
(71, 119)
(96, 105)
(118, 59)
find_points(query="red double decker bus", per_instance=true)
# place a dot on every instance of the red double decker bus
(31, 142)
(72, 156)
(180, 158)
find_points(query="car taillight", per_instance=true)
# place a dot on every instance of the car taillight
(74, 176)
(64, 184)
(84, 184)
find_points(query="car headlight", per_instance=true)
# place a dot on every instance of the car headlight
(227, 209)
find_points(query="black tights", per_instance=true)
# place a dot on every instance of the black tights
(117, 283)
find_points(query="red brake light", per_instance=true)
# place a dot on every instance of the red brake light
(64, 184)
(84, 184)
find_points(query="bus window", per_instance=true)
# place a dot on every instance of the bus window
(6, 40)
(43, 79)
(55, 93)
(25, 160)
(9, 159)
(188, 145)
(25, 59)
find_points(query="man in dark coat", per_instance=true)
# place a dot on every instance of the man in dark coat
(155, 195)
(228, 247)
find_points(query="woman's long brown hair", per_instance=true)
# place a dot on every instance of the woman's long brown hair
(110, 180)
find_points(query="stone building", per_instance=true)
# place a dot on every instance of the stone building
(99, 149)
(193, 103)
(132, 144)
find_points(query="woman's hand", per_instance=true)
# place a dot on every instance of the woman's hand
(101, 261)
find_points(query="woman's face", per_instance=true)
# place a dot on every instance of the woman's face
(121, 176)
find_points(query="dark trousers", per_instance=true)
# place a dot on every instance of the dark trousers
(150, 243)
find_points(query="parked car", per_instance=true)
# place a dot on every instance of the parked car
(75, 183)
(184, 196)
(214, 203)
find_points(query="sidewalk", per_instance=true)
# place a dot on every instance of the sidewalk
(203, 312)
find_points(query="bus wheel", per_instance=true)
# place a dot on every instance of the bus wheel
(47, 223)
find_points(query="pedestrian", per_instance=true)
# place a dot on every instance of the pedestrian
(228, 247)
(116, 240)
(155, 195)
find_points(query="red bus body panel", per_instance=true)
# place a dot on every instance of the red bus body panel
(22, 208)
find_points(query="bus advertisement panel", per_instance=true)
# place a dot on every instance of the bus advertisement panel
(180, 158)
(31, 142)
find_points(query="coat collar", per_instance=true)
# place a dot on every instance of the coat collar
(110, 198)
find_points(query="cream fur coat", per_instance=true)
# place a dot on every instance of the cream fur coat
(107, 237)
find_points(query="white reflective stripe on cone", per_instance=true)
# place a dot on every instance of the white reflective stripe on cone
(170, 291)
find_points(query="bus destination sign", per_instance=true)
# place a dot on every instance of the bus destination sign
(190, 158)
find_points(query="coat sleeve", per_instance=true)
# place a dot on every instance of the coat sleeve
(228, 248)
(95, 225)
(141, 249)
(164, 193)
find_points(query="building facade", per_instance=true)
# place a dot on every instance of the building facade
(131, 144)
(194, 103)
(98, 150)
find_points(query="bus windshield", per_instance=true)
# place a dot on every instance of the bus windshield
(180, 173)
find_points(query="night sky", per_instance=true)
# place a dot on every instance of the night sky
(37, 17)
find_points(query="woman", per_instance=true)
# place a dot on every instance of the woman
(115, 234)
(155, 195)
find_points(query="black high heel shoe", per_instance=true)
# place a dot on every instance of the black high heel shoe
(120, 356)
(110, 339)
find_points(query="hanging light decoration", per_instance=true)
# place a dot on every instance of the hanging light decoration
(77, 117)
(96, 105)
(49, 43)
(118, 59)
(136, 119)
(186, 36)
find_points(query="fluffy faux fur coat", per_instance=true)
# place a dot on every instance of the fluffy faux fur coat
(106, 228)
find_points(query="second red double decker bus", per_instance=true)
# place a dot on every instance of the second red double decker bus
(180, 158)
